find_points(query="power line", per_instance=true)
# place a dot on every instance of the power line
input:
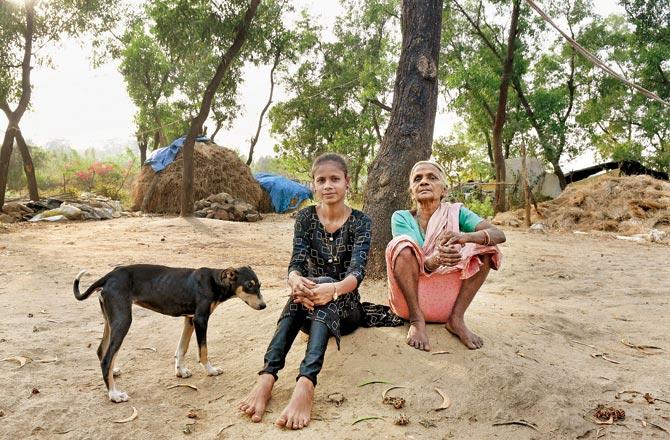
(595, 60)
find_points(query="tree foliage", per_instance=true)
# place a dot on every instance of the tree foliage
(25, 30)
(338, 88)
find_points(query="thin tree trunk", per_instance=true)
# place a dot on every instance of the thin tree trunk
(15, 117)
(500, 203)
(142, 145)
(161, 139)
(216, 130)
(205, 106)
(559, 173)
(28, 167)
(489, 148)
(254, 139)
(409, 135)
(157, 140)
(526, 189)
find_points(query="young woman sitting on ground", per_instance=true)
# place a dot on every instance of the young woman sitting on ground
(330, 251)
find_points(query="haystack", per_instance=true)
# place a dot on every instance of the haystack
(626, 205)
(215, 170)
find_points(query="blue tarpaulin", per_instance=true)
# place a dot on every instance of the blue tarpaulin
(284, 193)
(164, 156)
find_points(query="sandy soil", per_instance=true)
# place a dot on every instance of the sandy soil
(553, 290)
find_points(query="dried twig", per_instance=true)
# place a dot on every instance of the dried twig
(362, 419)
(369, 382)
(389, 389)
(216, 398)
(647, 396)
(641, 347)
(518, 353)
(187, 385)
(224, 428)
(518, 422)
(659, 427)
(604, 356)
(586, 345)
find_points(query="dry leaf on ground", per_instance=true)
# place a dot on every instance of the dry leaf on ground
(132, 417)
(446, 401)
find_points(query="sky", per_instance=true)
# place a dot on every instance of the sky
(90, 107)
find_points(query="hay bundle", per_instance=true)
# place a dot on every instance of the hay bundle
(215, 169)
(627, 205)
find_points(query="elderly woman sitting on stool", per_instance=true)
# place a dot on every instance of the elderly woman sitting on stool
(439, 257)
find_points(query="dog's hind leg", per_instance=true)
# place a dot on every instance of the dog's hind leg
(120, 318)
(179, 369)
(200, 323)
(104, 342)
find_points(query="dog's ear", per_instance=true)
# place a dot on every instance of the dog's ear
(229, 275)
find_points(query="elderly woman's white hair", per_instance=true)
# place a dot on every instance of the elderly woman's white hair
(440, 172)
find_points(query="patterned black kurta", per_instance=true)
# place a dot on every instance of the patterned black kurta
(317, 253)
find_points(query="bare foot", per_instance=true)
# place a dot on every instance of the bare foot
(458, 328)
(254, 404)
(298, 412)
(417, 336)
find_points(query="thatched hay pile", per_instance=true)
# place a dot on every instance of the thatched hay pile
(215, 170)
(627, 205)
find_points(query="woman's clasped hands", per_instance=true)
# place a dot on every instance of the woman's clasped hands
(308, 293)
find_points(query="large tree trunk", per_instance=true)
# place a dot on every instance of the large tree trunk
(499, 123)
(15, 117)
(28, 167)
(409, 135)
(5, 155)
(205, 106)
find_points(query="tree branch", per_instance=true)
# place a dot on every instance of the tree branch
(480, 32)
(4, 106)
(25, 65)
(379, 104)
(254, 139)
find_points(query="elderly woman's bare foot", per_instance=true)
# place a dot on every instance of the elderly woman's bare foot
(254, 404)
(417, 336)
(457, 327)
(298, 412)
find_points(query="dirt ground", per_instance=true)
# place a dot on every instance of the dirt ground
(555, 294)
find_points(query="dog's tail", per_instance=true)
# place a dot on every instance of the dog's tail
(82, 296)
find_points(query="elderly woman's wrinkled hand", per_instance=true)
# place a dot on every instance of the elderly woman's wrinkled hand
(449, 238)
(450, 255)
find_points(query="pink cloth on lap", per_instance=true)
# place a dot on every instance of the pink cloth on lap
(438, 290)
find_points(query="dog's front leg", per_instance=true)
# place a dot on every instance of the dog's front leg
(179, 369)
(200, 323)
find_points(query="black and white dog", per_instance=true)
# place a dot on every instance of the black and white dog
(191, 293)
